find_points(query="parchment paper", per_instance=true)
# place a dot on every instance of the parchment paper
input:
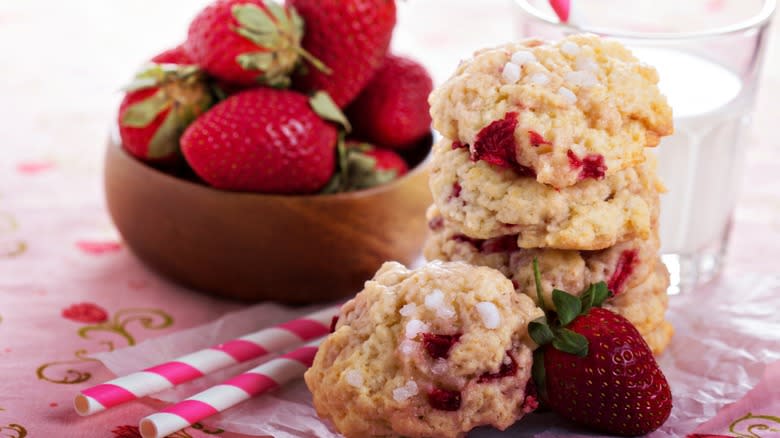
(726, 335)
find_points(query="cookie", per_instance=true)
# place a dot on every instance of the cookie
(659, 338)
(622, 266)
(485, 201)
(434, 351)
(645, 304)
(580, 108)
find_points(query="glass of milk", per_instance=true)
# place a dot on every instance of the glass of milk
(708, 54)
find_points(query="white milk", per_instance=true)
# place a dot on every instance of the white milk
(701, 163)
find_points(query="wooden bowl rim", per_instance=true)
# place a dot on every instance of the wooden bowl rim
(115, 143)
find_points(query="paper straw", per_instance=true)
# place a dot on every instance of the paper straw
(562, 9)
(192, 366)
(263, 378)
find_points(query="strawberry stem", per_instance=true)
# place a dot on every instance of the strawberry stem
(538, 282)
(319, 65)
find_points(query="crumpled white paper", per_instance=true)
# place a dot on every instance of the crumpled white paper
(725, 335)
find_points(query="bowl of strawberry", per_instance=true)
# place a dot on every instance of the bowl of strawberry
(277, 154)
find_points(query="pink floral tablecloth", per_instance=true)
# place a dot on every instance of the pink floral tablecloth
(69, 288)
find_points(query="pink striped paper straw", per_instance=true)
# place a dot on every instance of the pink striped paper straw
(192, 366)
(263, 378)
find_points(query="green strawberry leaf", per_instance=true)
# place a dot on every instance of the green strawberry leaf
(567, 306)
(538, 282)
(363, 173)
(278, 11)
(333, 185)
(141, 114)
(319, 65)
(600, 293)
(539, 373)
(140, 84)
(540, 331)
(255, 60)
(322, 104)
(256, 25)
(295, 19)
(570, 342)
(586, 299)
(338, 181)
(218, 92)
(153, 75)
(166, 139)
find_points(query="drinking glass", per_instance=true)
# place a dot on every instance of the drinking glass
(708, 54)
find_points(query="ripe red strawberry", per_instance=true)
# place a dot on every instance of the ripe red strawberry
(393, 109)
(247, 41)
(594, 368)
(363, 165)
(160, 103)
(176, 55)
(262, 140)
(385, 160)
(351, 37)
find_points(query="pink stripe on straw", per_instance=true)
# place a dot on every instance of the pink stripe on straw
(253, 383)
(306, 329)
(191, 410)
(562, 9)
(176, 372)
(109, 395)
(304, 355)
(241, 350)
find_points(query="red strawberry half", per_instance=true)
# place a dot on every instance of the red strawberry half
(363, 165)
(393, 109)
(594, 368)
(160, 103)
(351, 37)
(262, 140)
(248, 41)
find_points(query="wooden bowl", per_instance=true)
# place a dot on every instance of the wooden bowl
(291, 249)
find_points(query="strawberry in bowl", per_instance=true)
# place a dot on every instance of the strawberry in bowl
(237, 170)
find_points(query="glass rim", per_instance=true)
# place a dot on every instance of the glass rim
(757, 20)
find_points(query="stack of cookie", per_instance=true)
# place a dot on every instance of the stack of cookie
(544, 156)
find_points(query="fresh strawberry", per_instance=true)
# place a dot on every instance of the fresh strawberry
(160, 103)
(385, 160)
(363, 165)
(248, 41)
(594, 368)
(262, 140)
(176, 55)
(350, 37)
(393, 109)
